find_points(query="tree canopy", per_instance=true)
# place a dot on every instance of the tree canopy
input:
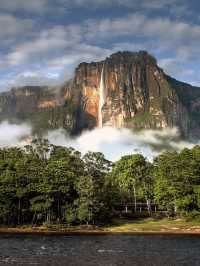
(43, 183)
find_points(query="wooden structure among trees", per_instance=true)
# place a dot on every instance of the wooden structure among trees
(139, 207)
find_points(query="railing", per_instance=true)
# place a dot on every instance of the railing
(138, 207)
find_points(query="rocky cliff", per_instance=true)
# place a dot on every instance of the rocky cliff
(130, 90)
(42, 107)
(125, 90)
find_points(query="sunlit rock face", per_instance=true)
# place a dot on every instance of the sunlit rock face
(137, 94)
(124, 90)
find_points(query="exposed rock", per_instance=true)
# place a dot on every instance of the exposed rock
(134, 91)
(44, 108)
(138, 94)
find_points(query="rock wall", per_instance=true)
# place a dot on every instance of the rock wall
(138, 94)
(125, 90)
(41, 107)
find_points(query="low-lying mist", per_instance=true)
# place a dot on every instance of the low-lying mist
(113, 142)
(13, 134)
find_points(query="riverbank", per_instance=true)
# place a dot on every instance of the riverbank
(122, 226)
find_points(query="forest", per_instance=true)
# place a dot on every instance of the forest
(42, 183)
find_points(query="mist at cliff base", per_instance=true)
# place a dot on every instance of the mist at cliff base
(13, 134)
(113, 142)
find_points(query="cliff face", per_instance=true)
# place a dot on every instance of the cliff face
(43, 108)
(125, 90)
(136, 94)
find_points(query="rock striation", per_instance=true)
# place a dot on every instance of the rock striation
(125, 90)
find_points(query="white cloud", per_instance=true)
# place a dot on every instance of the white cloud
(24, 5)
(12, 134)
(61, 47)
(52, 70)
(12, 27)
(172, 66)
(33, 78)
(47, 41)
(115, 143)
(168, 34)
(50, 5)
(136, 4)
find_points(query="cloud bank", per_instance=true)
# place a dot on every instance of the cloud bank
(13, 135)
(113, 142)
(51, 37)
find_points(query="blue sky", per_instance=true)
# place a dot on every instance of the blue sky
(42, 41)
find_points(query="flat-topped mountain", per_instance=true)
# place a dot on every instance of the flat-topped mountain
(125, 90)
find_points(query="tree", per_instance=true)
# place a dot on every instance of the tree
(96, 164)
(173, 181)
(56, 190)
(41, 147)
(132, 174)
(93, 204)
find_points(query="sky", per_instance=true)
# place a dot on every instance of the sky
(42, 41)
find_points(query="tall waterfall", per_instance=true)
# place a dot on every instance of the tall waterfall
(102, 97)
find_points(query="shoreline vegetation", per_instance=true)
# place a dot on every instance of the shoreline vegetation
(58, 188)
(119, 226)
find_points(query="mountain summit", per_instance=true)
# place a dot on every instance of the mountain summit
(125, 90)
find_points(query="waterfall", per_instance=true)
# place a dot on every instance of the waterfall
(102, 97)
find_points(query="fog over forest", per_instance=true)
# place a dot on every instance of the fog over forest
(113, 142)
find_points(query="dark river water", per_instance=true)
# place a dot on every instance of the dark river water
(97, 250)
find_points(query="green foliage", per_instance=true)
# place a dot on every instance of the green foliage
(43, 183)
(141, 119)
(93, 203)
(133, 177)
(176, 176)
(70, 215)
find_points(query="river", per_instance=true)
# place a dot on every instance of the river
(106, 250)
